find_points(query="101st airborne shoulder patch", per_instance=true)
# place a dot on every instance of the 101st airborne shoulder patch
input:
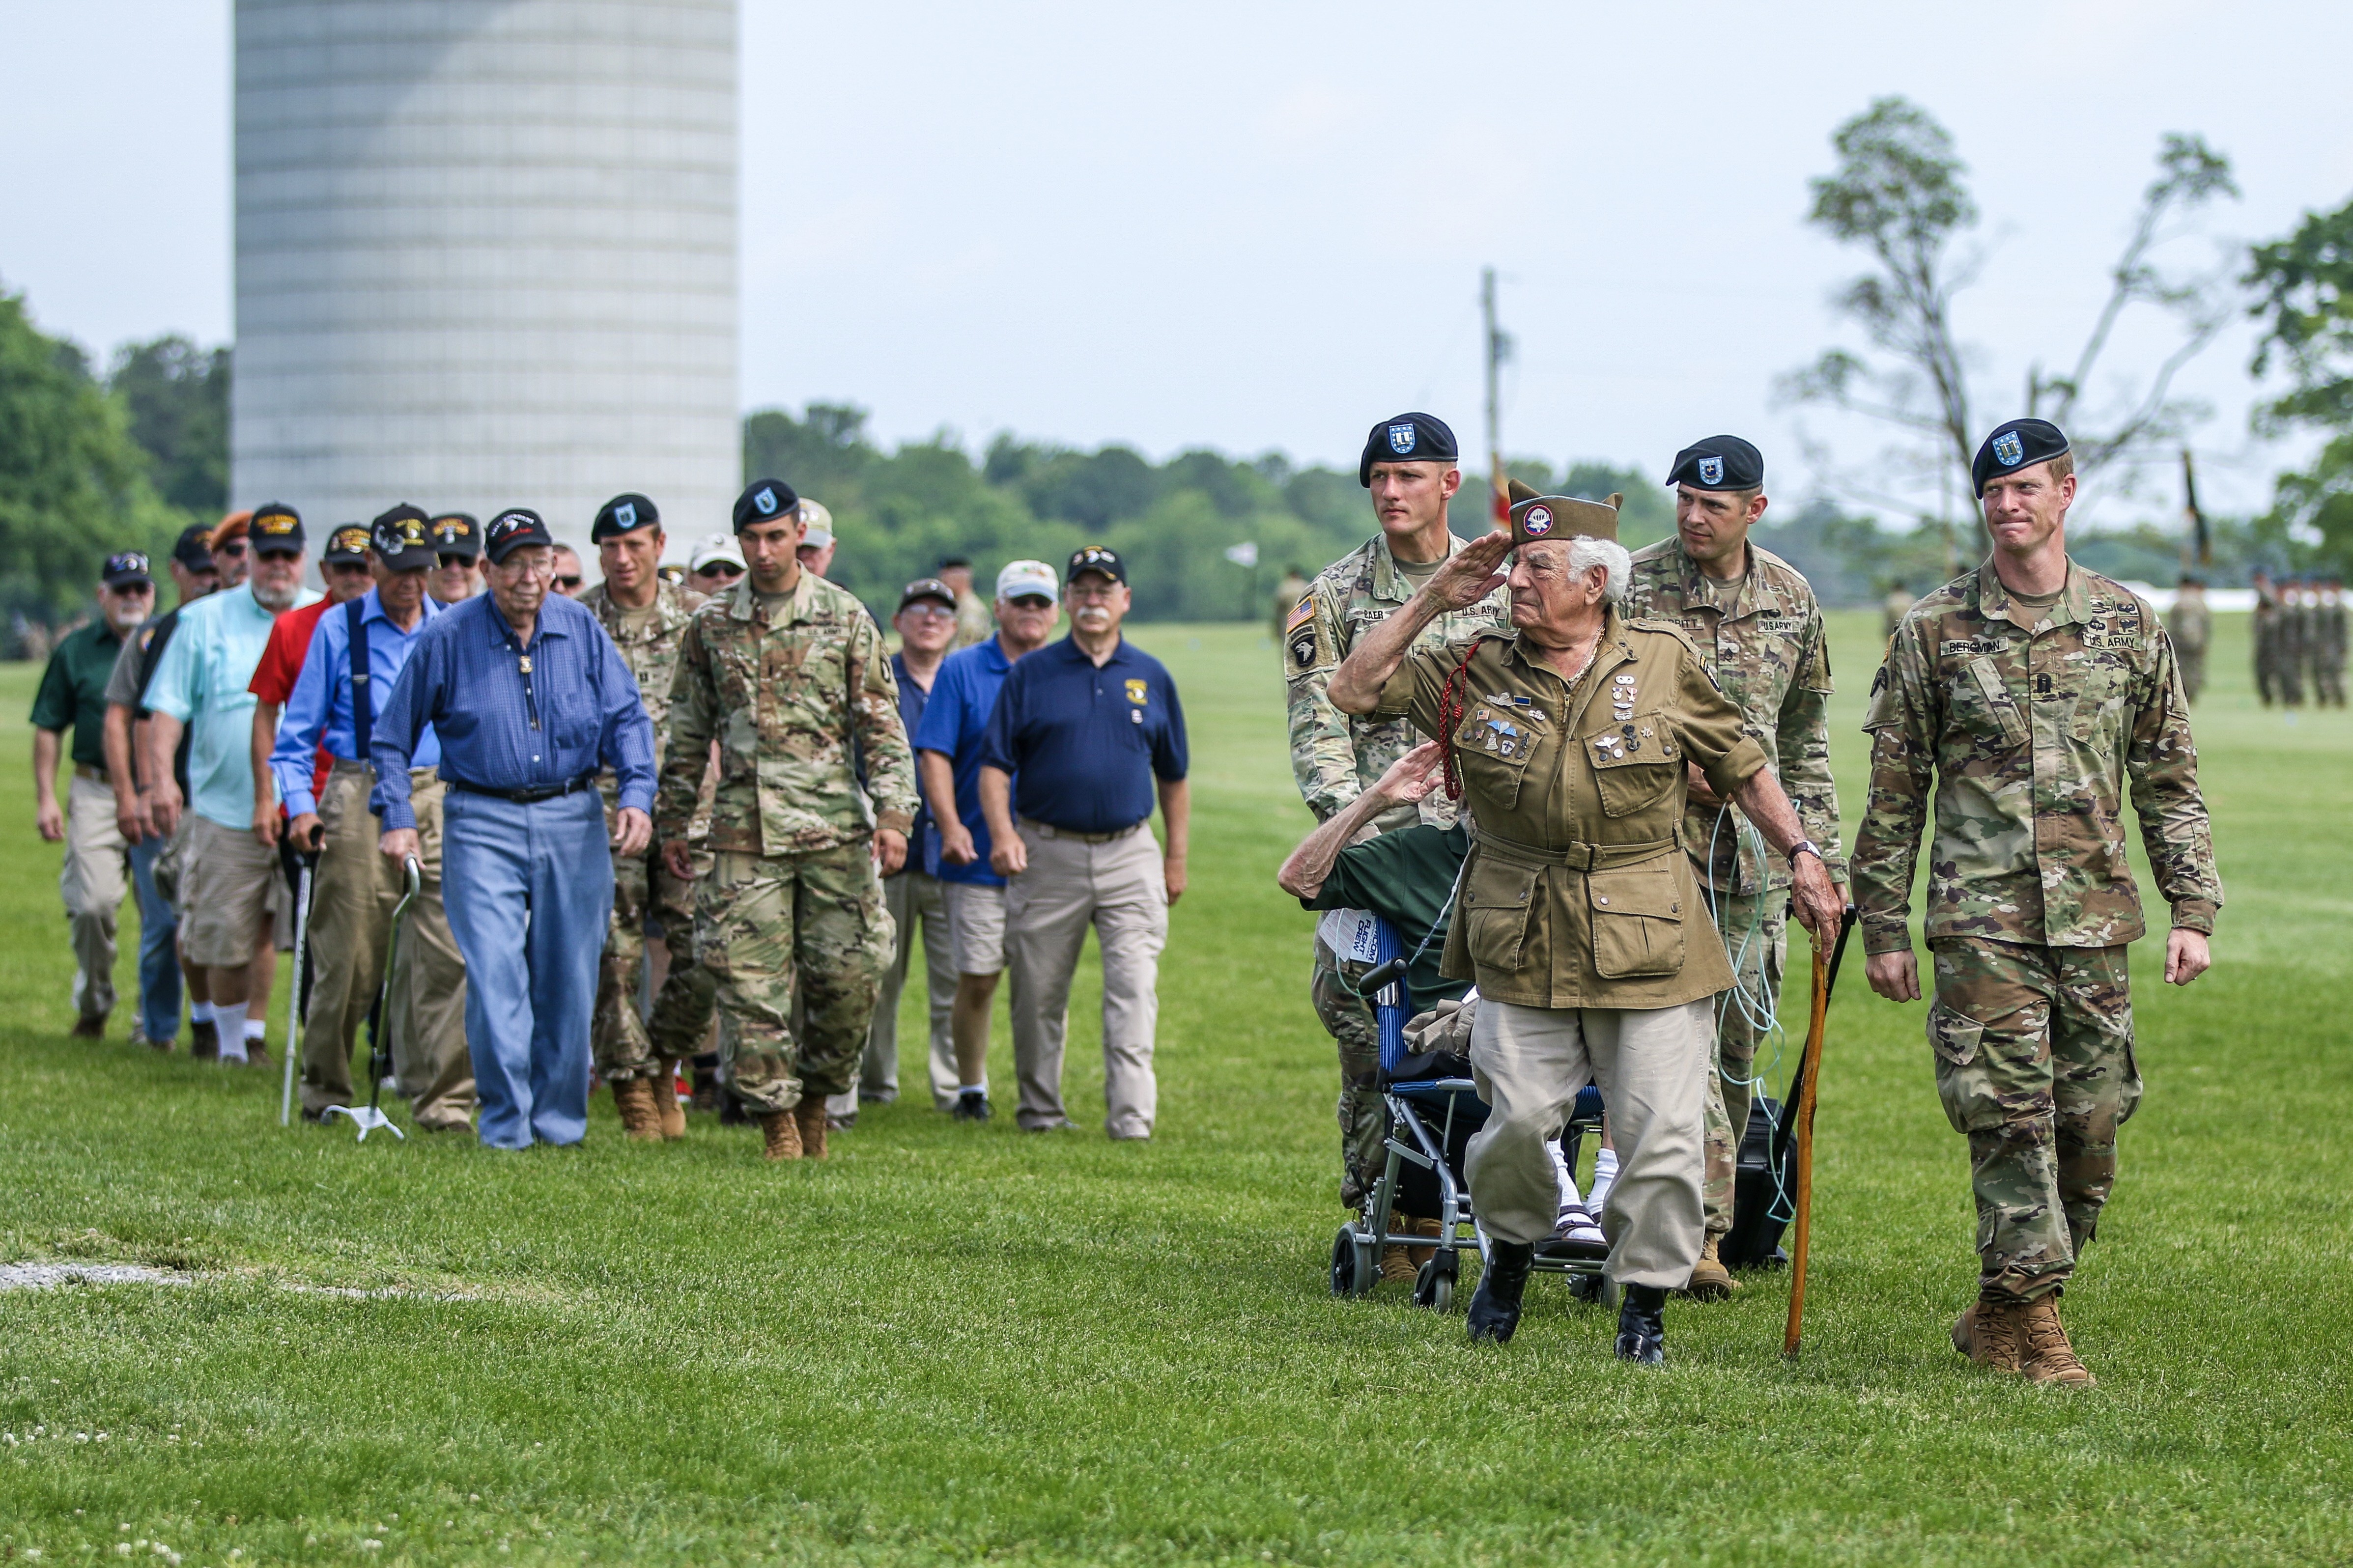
(1298, 633)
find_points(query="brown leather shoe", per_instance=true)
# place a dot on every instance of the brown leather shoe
(1988, 1334)
(2048, 1357)
(634, 1098)
(1710, 1279)
(89, 1026)
(1419, 1256)
(784, 1134)
(810, 1115)
(667, 1109)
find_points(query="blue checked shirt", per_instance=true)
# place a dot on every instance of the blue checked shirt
(319, 710)
(510, 717)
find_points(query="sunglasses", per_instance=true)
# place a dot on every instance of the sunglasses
(281, 554)
(230, 547)
(718, 569)
(567, 582)
(1030, 602)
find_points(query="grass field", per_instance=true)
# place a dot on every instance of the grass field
(949, 1343)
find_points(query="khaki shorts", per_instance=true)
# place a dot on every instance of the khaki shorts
(975, 926)
(229, 885)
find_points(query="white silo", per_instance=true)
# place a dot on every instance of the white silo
(486, 257)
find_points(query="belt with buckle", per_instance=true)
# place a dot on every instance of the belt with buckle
(527, 796)
(1047, 830)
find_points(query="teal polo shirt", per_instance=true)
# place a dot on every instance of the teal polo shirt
(202, 681)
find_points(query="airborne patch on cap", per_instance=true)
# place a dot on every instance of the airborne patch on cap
(1537, 522)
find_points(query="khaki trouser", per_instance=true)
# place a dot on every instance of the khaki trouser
(911, 897)
(94, 881)
(353, 895)
(1756, 940)
(1119, 888)
(1529, 1063)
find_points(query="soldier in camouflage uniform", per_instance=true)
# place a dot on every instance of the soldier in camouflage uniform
(2265, 639)
(788, 673)
(2330, 618)
(1759, 632)
(641, 1064)
(2029, 716)
(2191, 626)
(1409, 465)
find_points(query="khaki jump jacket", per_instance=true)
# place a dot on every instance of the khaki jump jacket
(1577, 892)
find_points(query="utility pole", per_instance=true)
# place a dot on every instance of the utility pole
(1499, 348)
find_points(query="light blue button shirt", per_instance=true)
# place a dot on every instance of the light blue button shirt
(202, 682)
(319, 710)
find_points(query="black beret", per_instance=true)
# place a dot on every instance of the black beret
(512, 530)
(623, 513)
(1408, 438)
(346, 546)
(1719, 463)
(766, 500)
(400, 538)
(275, 527)
(457, 534)
(2017, 445)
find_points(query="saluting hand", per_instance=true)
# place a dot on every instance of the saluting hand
(1472, 572)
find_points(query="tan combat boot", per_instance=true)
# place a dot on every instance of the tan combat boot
(1710, 1279)
(670, 1115)
(2048, 1357)
(1397, 1261)
(1988, 1334)
(784, 1134)
(1421, 1255)
(810, 1115)
(634, 1098)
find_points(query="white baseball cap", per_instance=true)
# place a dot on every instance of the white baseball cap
(818, 532)
(716, 547)
(1021, 577)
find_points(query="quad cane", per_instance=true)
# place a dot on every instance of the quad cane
(1809, 1071)
(309, 859)
(412, 877)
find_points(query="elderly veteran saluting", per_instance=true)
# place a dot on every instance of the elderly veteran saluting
(1569, 737)
(529, 700)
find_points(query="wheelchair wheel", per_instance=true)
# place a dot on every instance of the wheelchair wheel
(1433, 1287)
(1354, 1271)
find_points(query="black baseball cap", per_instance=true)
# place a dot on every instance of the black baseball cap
(766, 500)
(1408, 438)
(126, 568)
(194, 550)
(927, 588)
(1719, 463)
(511, 530)
(401, 541)
(1096, 558)
(346, 546)
(625, 513)
(276, 530)
(456, 533)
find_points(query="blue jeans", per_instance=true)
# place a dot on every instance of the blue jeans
(159, 956)
(529, 892)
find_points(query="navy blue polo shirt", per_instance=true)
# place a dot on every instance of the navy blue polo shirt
(1084, 744)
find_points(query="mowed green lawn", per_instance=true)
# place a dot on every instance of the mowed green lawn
(949, 1343)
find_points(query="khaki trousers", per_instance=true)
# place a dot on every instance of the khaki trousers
(1119, 888)
(1529, 1063)
(353, 895)
(94, 881)
(913, 897)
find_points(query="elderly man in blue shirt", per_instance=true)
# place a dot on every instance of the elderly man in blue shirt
(334, 703)
(1087, 731)
(530, 699)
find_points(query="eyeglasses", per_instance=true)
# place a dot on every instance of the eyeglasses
(930, 608)
(1101, 589)
(347, 566)
(1030, 602)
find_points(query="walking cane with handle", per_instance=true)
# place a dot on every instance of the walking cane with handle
(1809, 1071)
(294, 1003)
(412, 877)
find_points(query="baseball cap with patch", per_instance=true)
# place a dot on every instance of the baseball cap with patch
(511, 530)
(1408, 438)
(275, 528)
(1538, 518)
(927, 588)
(1019, 579)
(2021, 443)
(125, 568)
(817, 525)
(195, 548)
(715, 547)
(1096, 558)
(1719, 463)
(348, 545)
(402, 540)
(765, 500)
(625, 513)
(456, 533)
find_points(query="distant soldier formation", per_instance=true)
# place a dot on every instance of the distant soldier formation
(2300, 641)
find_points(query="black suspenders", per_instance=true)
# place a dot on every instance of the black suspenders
(363, 699)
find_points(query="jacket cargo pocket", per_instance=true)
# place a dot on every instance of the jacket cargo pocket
(1499, 897)
(1492, 752)
(1634, 764)
(1983, 704)
(1638, 921)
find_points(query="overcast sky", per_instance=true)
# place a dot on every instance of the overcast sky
(1260, 226)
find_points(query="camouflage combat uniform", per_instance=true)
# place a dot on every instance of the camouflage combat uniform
(2033, 735)
(972, 621)
(1334, 756)
(2329, 677)
(788, 691)
(1765, 646)
(2266, 642)
(2191, 626)
(623, 1046)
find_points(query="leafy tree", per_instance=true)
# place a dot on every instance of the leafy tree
(177, 395)
(1899, 192)
(2304, 285)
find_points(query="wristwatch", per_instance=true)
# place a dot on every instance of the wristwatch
(1808, 847)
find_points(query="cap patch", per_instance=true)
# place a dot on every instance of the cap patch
(766, 499)
(1538, 524)
(1711, 470)
(1401, 438)
(626, 514)
(2008, 450)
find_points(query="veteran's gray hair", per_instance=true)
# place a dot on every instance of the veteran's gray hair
(1586, 552)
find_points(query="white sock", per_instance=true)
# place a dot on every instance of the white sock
(230, 1023)
(200, 1011)
(980, 1087)
(256, 1028)
(1564, 1177)
(1604, 1176)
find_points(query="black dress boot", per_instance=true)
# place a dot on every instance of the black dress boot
(1641, 1333)
(1495, 1306)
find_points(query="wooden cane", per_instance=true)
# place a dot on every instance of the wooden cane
(1809, 1072)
